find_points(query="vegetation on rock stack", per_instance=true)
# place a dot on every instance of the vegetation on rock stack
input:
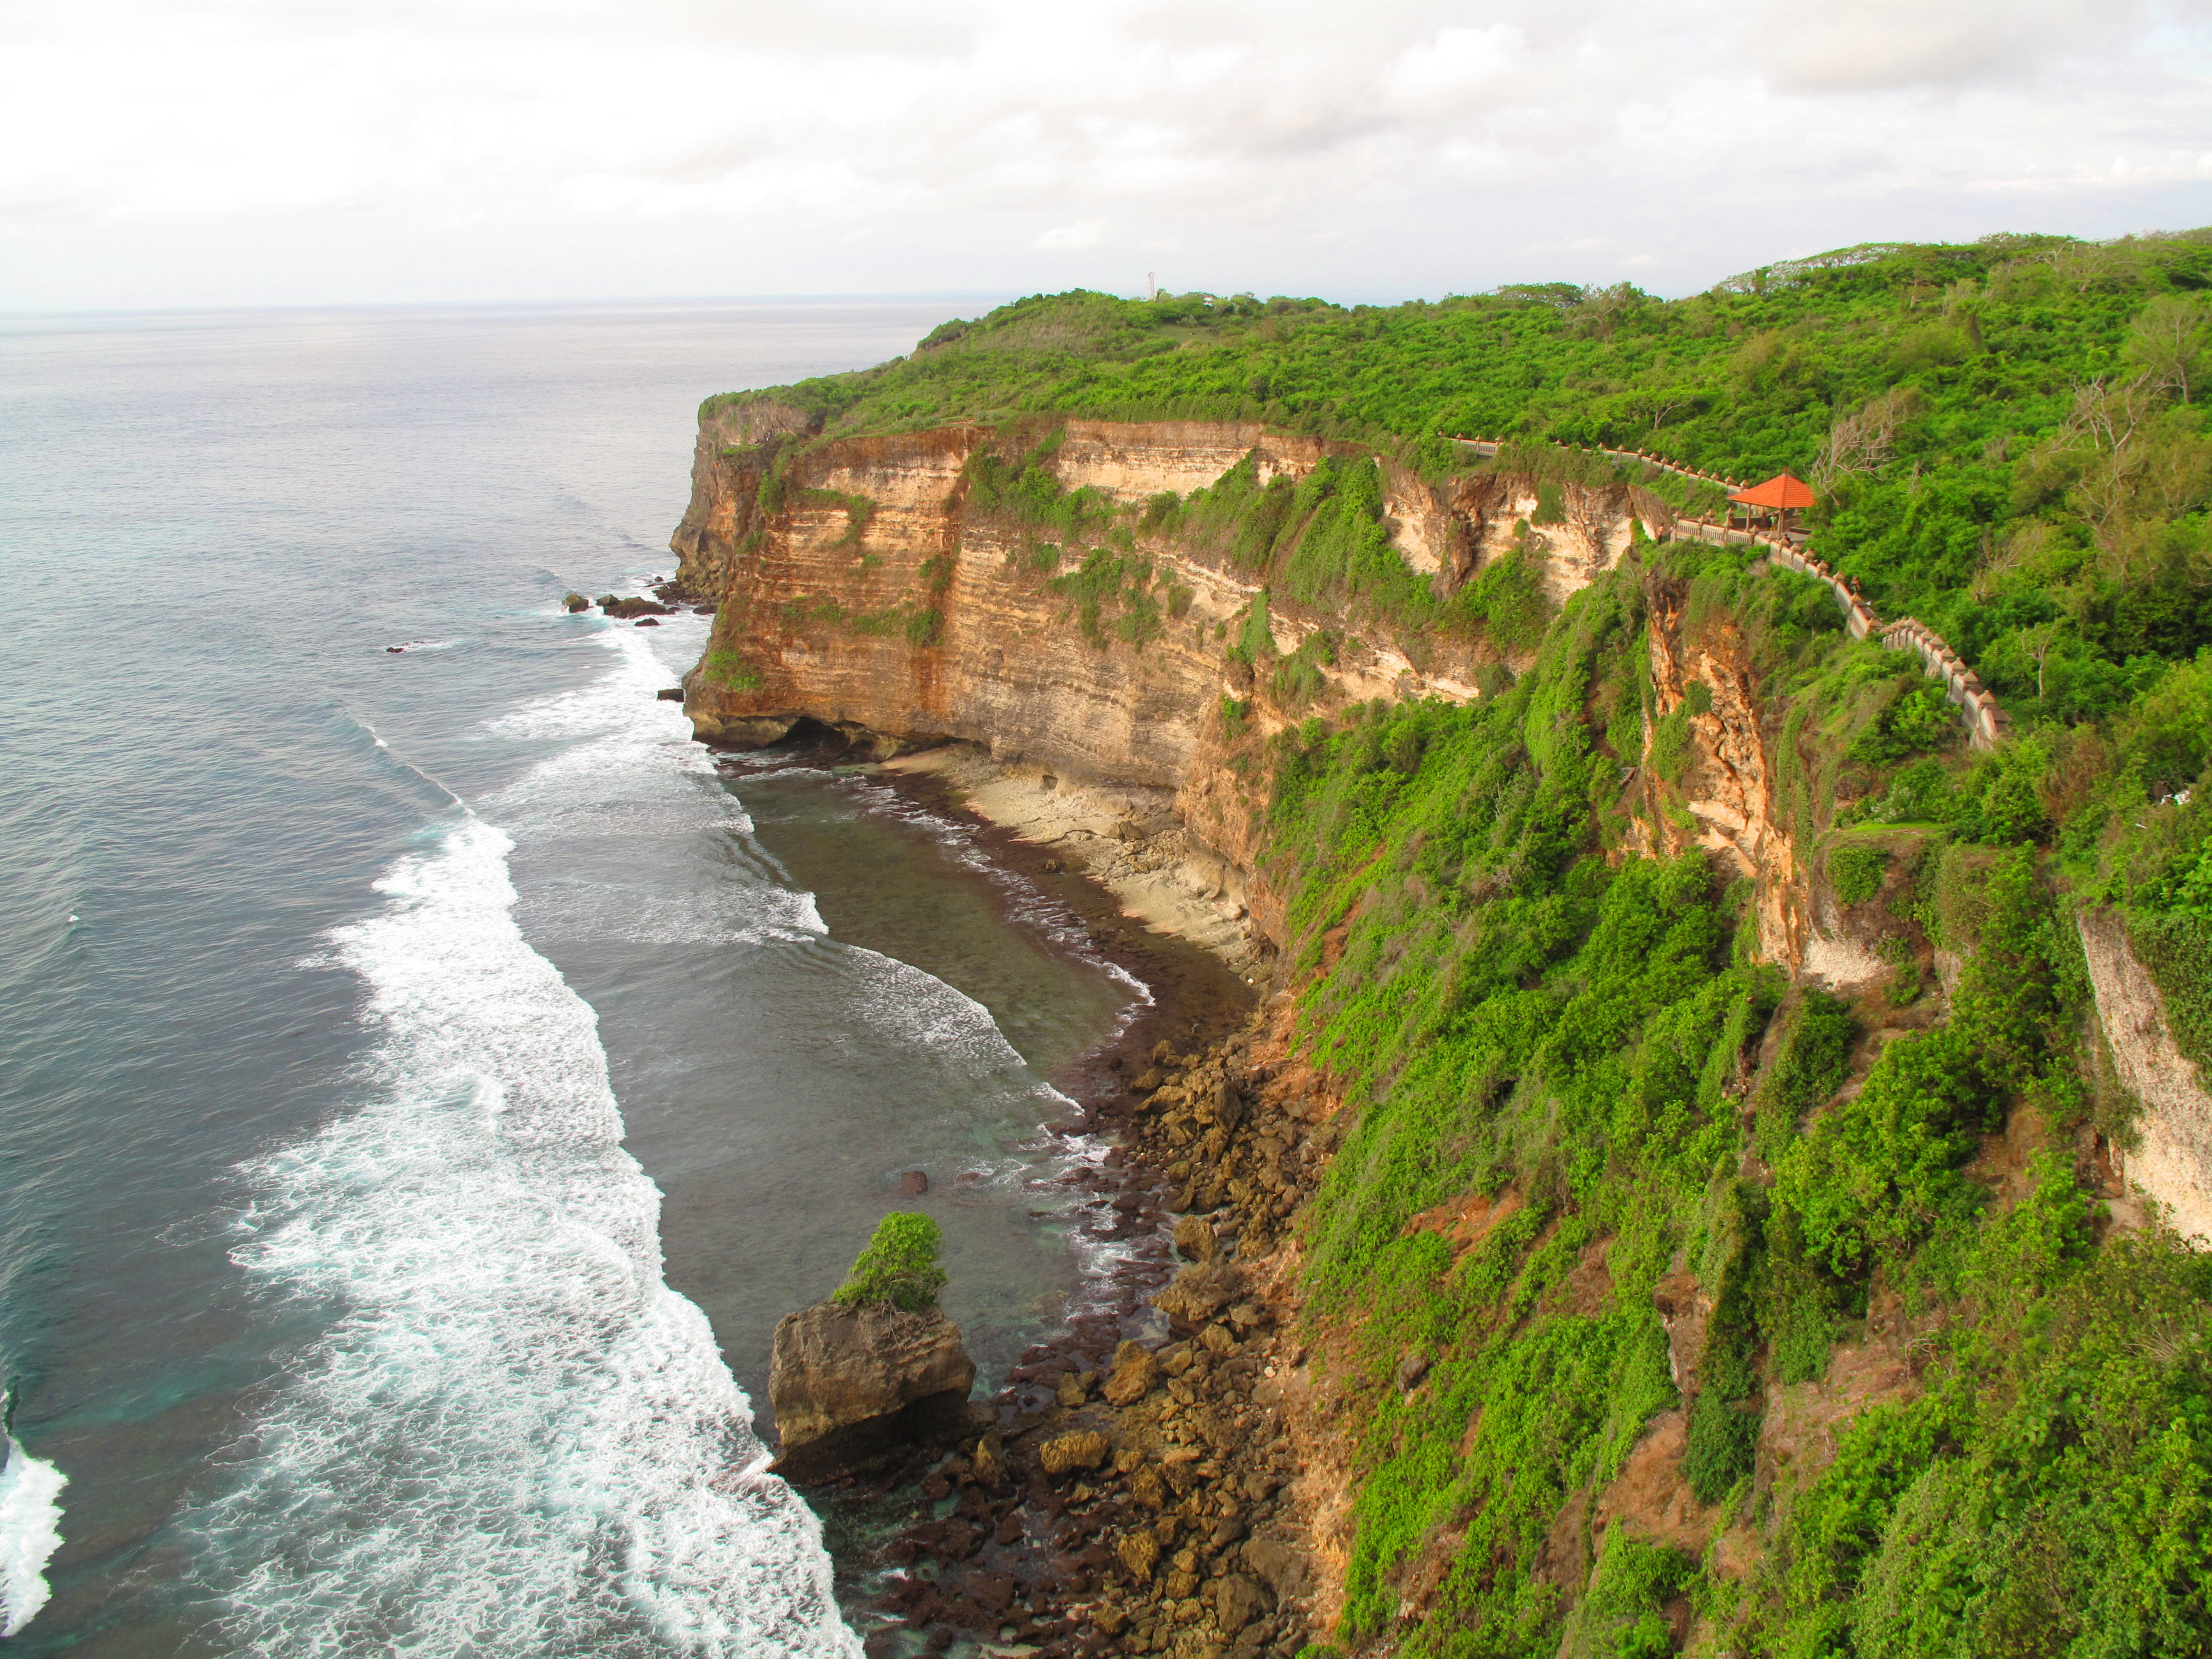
(898, 1269)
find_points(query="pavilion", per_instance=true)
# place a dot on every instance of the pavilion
(1774, 501)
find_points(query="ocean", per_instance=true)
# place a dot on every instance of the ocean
(425, 1077)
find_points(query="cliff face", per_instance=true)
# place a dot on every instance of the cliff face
(861, 587)
(2172, 1160)
(1724, 798)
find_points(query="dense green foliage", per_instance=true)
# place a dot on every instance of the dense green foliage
(899, 1265)
(1565, 1060)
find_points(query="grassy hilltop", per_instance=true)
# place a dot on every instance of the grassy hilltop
(2011, 442)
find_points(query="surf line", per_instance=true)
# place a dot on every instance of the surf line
(30, 1526)
(492, 1258)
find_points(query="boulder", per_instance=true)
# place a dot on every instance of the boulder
(575, 602)
(1223, 1105)
(1237, 1602)
(1194, 1238)
(913, 1184)
(852, 1386)
(670, 694)
(1138, 1551)
(1198, 1292)
(1135, 1370)
(991, 1461)
(1086, 1448)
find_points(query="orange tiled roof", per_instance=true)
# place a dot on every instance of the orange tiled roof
(1781, 490)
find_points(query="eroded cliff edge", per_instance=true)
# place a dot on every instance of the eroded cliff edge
(1137, 612)
(1085, 599)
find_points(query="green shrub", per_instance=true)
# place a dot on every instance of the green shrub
(1670, 745)
(1112, 596)
(1855, 871)
(1508, 597)
(1722, 1443)
(898, 1267)
(726, 666)
(1802, 1344)
(1621, 1616)
(1255, 638)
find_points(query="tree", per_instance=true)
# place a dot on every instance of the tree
(2169, 343)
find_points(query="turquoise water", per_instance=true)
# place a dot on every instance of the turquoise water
(423, 1078)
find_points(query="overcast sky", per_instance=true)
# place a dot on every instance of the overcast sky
(159, 153)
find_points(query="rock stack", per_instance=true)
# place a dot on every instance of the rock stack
(853, 1386)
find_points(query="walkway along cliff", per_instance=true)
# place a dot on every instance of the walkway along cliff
(1237, 655)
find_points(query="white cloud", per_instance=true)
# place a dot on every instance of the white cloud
(158, 151)
(1861, 45)
(1084, 233)
(1456, 63)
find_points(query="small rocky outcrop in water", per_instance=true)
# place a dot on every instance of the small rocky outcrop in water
(576, 602)
(625, 609)
(875, 1369)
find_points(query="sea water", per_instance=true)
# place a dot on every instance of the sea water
(426, 1078)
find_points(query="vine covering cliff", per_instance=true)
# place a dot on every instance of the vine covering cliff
(1731, 1241)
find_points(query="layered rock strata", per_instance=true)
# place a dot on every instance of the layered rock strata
(861, 587)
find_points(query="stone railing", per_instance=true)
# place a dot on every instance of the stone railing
(1492, 445)
(1983, 718)
(1985, 722)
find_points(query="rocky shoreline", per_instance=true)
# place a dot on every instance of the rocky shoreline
(1135, 1497)
(1122, 1493)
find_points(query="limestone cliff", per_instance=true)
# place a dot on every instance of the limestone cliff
(861, 586)
(2172, 1160)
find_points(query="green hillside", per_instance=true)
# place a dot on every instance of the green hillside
(2010, 439)
(2009, 436)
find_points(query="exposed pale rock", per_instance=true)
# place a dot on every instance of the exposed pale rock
(2172, 1161)
(1086, 1448)
(847, 1384)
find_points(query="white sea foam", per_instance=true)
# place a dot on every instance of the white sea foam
(512, 1437)
(1027, 904)
(30, 1532)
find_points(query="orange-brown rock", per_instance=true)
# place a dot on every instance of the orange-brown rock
(859, 587)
